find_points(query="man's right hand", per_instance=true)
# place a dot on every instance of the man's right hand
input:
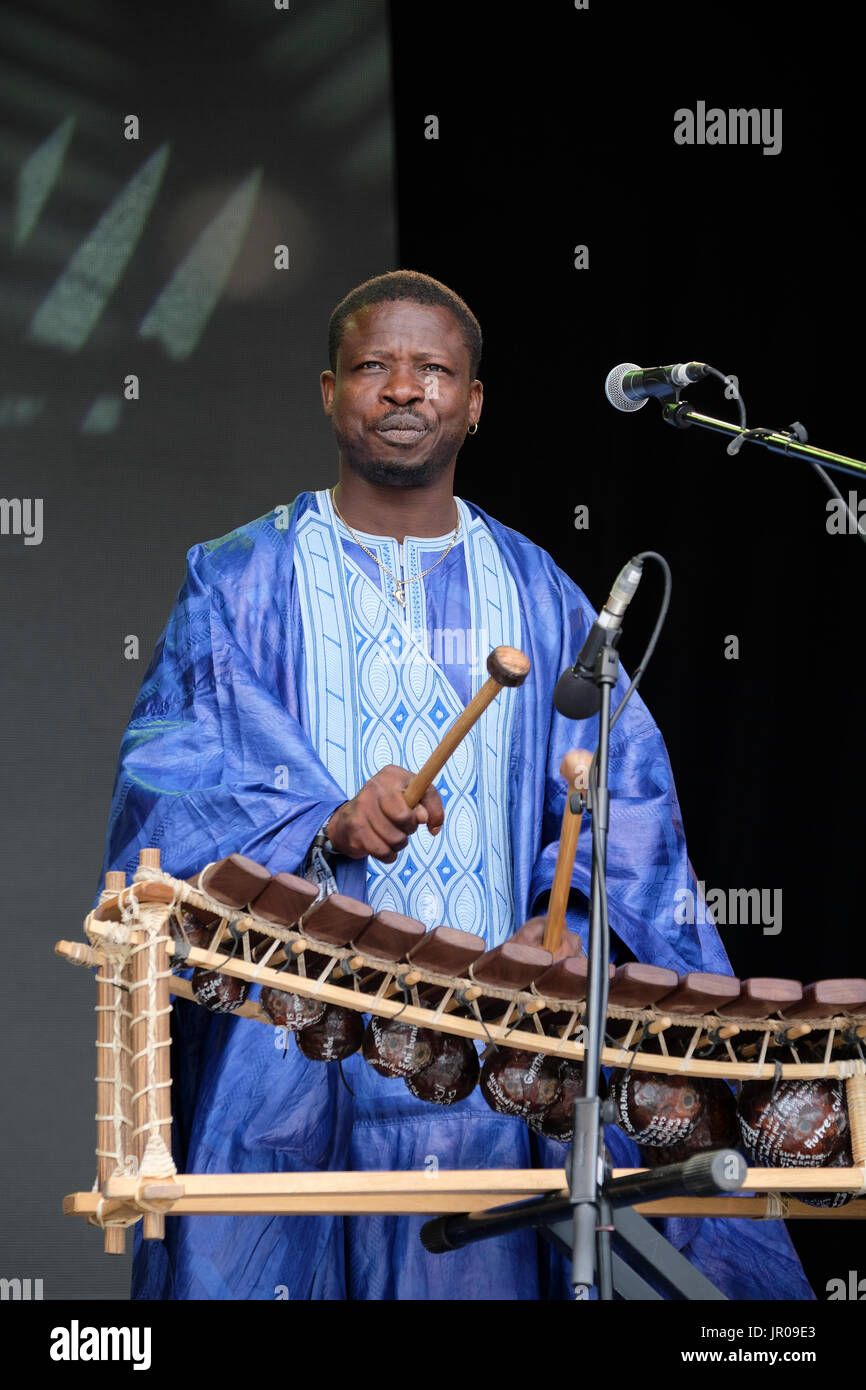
(378, 822)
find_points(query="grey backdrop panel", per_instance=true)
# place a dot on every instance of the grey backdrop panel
(151, 257)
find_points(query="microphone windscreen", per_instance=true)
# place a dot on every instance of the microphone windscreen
(433, 1237)
(614, 391)
(575, 696)
(721, 1170)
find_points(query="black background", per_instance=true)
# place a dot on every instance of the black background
(556, 129)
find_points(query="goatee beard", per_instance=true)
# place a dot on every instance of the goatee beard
(381, 472)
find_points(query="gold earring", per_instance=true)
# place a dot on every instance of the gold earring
(473, 429)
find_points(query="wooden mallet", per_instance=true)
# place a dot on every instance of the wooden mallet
(575, 769)
(507, 666)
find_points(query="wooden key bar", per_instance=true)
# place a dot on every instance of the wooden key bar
(512, 967)
(826, 998)
(447, 951)
(336, 920)
(444, 951)
(389, 936)
(386, 937)
(636, 986)
(700, 993)
(285, 899)
(762, 997)
(566, 980)
(234, 881)
(564, 983)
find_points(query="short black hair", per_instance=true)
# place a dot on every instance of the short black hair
(418, 289)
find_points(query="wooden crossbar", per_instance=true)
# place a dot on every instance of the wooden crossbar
(445, 1191)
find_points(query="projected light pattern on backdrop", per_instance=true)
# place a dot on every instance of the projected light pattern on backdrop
(69, 313)
(37, 177)
(186, 191)
(338, 67)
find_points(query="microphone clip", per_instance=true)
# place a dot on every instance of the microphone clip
(578, 690)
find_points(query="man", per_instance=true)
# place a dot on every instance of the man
(303, 675)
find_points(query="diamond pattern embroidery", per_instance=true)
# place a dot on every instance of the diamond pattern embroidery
(445, 869)
(439, 714)
(393, 707)
(399, 716)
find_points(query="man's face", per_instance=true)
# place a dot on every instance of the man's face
(402, 398)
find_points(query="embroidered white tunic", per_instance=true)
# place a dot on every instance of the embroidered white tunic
(383, 682)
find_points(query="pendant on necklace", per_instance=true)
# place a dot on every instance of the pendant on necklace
(398, 594)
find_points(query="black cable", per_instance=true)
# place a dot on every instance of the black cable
(648, 650)
(599, 864)
(654, 637)
(727, 380)
(741, 404)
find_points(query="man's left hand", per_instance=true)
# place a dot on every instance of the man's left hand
(532, 932)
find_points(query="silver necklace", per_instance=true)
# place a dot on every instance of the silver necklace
(399, 584)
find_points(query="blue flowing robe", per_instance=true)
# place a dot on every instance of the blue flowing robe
(220, 708)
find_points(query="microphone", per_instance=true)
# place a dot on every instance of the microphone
(628, 386)
(576, 694)
(702, 1175)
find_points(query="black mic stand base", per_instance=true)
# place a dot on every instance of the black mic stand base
(640, 1250)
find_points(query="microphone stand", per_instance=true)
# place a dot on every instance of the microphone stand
(582, 1223)
(591, 1215)
(792, 442)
